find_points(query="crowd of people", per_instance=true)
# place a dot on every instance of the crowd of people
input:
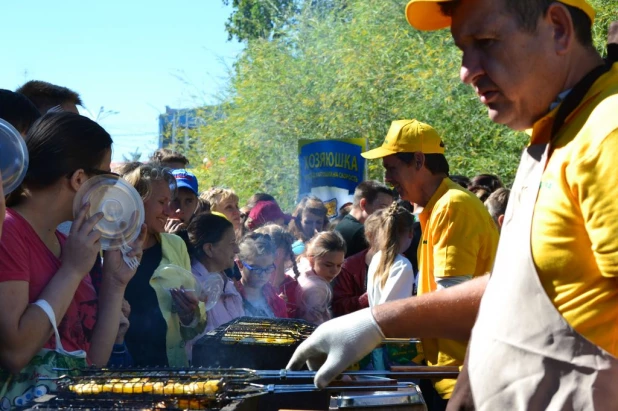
(434, 237)
(274, 265)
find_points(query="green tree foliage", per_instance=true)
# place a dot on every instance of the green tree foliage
(258, 19)
(344, 72)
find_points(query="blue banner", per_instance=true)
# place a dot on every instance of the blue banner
(331, 169)
(330, 163)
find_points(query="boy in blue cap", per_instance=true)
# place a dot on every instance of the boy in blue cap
(186, 202)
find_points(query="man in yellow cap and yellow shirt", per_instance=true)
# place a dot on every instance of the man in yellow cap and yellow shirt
(544, 330)
(459, 236)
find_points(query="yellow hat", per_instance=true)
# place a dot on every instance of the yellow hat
(426, 14)
(408, 136)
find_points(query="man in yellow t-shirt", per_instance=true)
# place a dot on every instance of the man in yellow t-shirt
(545, 333)
(459, 236)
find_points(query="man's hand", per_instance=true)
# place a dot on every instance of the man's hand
(337, 344)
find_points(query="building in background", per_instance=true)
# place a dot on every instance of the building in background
(174, 125)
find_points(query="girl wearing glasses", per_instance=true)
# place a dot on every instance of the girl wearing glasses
(319, 266)
(256, 261)
(285, 283)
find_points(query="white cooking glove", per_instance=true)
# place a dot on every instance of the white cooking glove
(337, 344)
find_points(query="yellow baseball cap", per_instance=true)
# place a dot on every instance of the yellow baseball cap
(408, 136)
(426, 14)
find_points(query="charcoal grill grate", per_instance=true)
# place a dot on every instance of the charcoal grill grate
(70, 403)
(262, 331)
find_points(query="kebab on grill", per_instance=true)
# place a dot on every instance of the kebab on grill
(144, 386)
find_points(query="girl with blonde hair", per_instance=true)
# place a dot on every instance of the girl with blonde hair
(320, 265)
(390, 274)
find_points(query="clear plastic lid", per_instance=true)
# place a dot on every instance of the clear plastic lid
(121, 205)
(13, 157)
(208, 288)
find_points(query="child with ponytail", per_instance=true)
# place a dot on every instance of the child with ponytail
(390, 274)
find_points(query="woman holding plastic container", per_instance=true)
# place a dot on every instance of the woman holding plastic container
(211, 242)
(44, 274)
(165, 311)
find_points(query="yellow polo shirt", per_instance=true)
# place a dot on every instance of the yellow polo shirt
(575, 223)
(459, 238)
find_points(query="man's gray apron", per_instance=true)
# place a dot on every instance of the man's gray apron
(523, 355)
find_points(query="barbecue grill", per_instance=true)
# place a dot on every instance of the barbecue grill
(258, 343)
(204, 389)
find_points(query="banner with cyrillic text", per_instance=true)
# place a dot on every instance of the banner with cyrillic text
(331, 170)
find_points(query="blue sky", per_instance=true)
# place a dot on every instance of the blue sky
(132, 57)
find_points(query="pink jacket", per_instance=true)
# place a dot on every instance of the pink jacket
(313, 296)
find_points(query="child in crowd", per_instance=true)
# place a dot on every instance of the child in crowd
(211, 243)
(307, 220)
(256, 261)
(225, 202)
(350, 286)
(496, 205)
(284, 283)
(265, 212)
(318, 267)
(186, 204)
(167, 158)
(390, 275)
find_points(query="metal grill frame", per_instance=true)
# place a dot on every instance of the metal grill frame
(250, 331)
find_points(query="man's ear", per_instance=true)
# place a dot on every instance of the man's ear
(559, 17)
(77, 179)
(419, 160)
(500, 220)
(362, 203)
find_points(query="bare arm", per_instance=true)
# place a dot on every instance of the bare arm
(105, 330)
(448, 313)
(25, 328)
